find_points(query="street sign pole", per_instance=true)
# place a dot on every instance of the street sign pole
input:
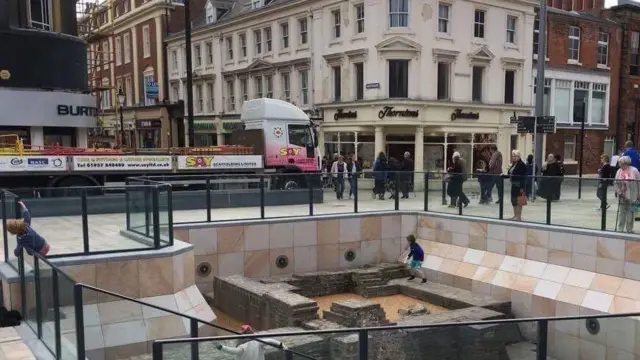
(542, 54)
(584, 112)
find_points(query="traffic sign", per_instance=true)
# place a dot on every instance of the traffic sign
(543, 125)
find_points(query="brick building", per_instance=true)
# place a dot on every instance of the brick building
(582, 72)
(126, 57)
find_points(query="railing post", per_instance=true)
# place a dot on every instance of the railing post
(261, 196)
(459, 205)
(355, 191)
(194, 334)
(208, 184)
(5, 236)
(147, 231)
(156, 218)
(363, 345)
(541, 351)
(310, 187)
(85, 222)
(23, 285)
(156, 351)
(38, 293)
(444, 189)
(18, 208)
(396, 192)
(288, 354)
(126, 203)
(549, 210)
(426, 191)
(603, 209)
(500, 197)
(79, 314)
(170, 213)
(56, 313)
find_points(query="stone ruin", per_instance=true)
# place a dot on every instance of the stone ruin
(415, 310)
(285, 304)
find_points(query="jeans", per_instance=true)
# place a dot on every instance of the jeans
(497, 179)
(339, 187)
(352, 182)
(601, 193)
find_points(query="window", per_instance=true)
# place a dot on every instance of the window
(477, 79)
(210, 98)
(478, 23)
(337, 84)
(359, 18)
(603, 48)
(284, 31)
(106, 54)
(286, 87)
(229, 42)
(398, 78)
(444, 80)
(257, 82)
(199, 99)
(126, 6)
(118, 51)
(598, 103)
(269, 84)
(126, 44)
(40, 14)
(146, 41)
(128, 91)
(304, 86)
(609, 147)
(634, 54)
(512, 22)
(443, 18)
(398, 13)
(150, 96)
(536, 34)
(243, 45)
(175, 93)
(562, 99)
(231, 96)
(174, 60)
(268, 40)
(580, 101)
(197, 55)
(359, 70)
(335, 15)
(574, 43)
(209, 49)
(244, 91)
(105, 95)
(569, 148)
(209, 13)
(299, 135)
(509, 86)
(118, 87)
(302, 24)
(257, 37)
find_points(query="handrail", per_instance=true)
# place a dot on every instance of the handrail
(394, 327)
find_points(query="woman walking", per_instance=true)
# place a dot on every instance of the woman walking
(518, 175)
(454, 189)
(627, 189)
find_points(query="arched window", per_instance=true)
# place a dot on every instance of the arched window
(209, 13)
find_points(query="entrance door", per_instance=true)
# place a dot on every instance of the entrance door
(149, 138)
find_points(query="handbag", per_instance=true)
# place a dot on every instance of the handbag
(521, 200)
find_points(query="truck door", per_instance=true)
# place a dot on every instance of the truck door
(300, 135)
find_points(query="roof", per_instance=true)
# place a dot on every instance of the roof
(582, 16)
(271, 109)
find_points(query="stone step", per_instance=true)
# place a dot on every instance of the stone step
(382, 290)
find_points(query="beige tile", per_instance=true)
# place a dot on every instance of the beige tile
(257, 264)
(533, 268)
(539, 238)
(207, 260)
(328, 231)
(164, 327)
(610, 267)
(390, 228)
(349, 230)
(479, 229)
(460, 239)
(119, 311)
(597, 301)
(432, 262)
(458, 226)
(560, 241)
(537, 253)
(560, 257)
(542, 307)
(204, 240)
(516, 235)
(504, 279)
(555, 273)
(515, 249)
(305, 233)
(497, 246)
(450, 266)
(328, 257)
(408, 225)
(632, 251)
(629, 289)
(631, 271)
(606, 284)
(584, 244)
(622, 305)
(473, 256)
(456, 253)
(491, 260)
(426, 233)
(444, 236)
(179, 271)
(230, 239)
(120, 277)
(525, 284)
(85, 274)
(305, 259)
(579, 278)
(189, 265)
(496, 232)
(478, 242)
(547, 289)
(370, 252)
(583, 262)
(512, 264)
(466, 270)
(370, 228)
(571, 294)
(256, 237)
(390, 249)
(275, 270)
(156, 276)
(231, 264)
(612, 249)
(181, 234)
(484, 274)
(280, 235)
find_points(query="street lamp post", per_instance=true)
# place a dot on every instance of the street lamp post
(121, 99)
(582, 136)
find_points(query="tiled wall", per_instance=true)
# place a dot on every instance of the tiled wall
(312, 244)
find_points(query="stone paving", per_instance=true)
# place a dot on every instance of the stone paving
(12, 347)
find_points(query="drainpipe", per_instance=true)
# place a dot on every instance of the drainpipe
(165, 66)
(619, 133)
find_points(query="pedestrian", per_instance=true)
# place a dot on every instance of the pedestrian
(561, 178)
(415, 259)
(379, 175)
(605, 173)
(484, 180)
(253, 349)
(407, 175)
(28, 238)
(495, 169)
(632, 153)
(351, 174)
(339, 172)
(531, 174)
(627, 188)
(518, 175)
(456, 181)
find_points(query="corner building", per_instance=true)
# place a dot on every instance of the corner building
(429, 77)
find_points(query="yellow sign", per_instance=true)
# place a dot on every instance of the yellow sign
(198, 161)
(289, 151)
(5, 75)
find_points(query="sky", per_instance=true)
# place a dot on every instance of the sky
(610, 3)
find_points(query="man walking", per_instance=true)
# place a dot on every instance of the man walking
(407, 175)
(495, 170)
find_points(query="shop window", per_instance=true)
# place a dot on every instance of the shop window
(569, 148)
(477, 83)
(206, 139)
(299, 135)
(398, 78)
(509, 86)
(359, 70)
(444, 77)
(337, 84)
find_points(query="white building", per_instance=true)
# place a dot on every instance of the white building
(426, 77)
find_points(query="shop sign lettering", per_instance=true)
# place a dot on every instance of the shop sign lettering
(198, 161)
(341, 114)
(289, 152)
(77, 110)
(458, 114)
(388, 111)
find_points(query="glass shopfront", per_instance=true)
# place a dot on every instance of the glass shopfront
(360, 145)
(149, 133)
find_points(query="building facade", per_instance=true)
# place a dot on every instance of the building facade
(126, 57)
(43, 96)
(392, 76)
(581, 85)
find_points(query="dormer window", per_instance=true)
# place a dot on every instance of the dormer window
(210, 14)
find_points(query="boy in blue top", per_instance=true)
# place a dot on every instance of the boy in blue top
(28, 238)
(415, 258)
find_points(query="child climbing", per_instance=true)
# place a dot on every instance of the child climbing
(415, 259)
(251, 350)
(28, 238)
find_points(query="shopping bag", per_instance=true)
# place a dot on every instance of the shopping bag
(521, 200)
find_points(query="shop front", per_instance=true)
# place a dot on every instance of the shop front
(215, 132)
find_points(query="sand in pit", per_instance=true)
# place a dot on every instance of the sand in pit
(390, 304)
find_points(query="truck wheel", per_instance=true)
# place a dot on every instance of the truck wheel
(62, 187)
(290, 184)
